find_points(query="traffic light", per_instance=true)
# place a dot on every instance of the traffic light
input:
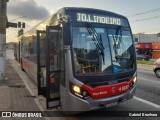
(19, 24)
(20, 32)
(23, 25)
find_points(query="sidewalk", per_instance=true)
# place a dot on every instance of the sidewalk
(13, 94)
(19, 93)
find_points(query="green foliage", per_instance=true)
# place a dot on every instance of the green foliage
(145, 62)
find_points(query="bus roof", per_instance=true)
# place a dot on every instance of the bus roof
(93, 10)
(67, 11)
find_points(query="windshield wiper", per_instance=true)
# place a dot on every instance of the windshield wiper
(117, 42)
(97, 39)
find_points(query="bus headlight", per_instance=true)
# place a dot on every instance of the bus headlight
(78, 91)
(84, 93)
(135, 80)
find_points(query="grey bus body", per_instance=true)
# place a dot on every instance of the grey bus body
(82, 59)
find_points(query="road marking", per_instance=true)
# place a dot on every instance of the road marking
(147, 102)
(149, 80)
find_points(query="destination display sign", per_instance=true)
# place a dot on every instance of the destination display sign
(83, 17)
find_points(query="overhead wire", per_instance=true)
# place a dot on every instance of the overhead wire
(145, 19)
(149, 18)
(145, 12)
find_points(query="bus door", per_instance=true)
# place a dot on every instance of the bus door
(52, 65)
(41, 62)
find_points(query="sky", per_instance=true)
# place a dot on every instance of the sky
(143, 15)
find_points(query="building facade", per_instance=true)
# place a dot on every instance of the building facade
(146, 38)
(148, 44)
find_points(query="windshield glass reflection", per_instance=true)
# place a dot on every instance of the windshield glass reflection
(94, 48)
(122, 50)
(88, 57)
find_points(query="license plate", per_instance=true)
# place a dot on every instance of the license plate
(111, 104)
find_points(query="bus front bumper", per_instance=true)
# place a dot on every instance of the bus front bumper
(81, 105)
(111, 101)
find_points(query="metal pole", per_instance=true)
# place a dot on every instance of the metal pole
(3, 21)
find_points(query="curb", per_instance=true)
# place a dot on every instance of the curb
(29, 89)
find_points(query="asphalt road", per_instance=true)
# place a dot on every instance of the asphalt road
(148, 87)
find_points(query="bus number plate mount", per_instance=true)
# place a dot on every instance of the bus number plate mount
(111, 104)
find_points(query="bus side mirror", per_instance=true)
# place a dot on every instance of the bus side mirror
(64, 19)
(66, 35)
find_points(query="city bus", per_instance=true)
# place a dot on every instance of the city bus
(81, 59)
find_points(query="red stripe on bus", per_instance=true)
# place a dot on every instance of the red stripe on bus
(108, 90)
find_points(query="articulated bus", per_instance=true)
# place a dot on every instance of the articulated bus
(81, 59)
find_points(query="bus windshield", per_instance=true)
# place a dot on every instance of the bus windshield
(122, 49)
(101, 51)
